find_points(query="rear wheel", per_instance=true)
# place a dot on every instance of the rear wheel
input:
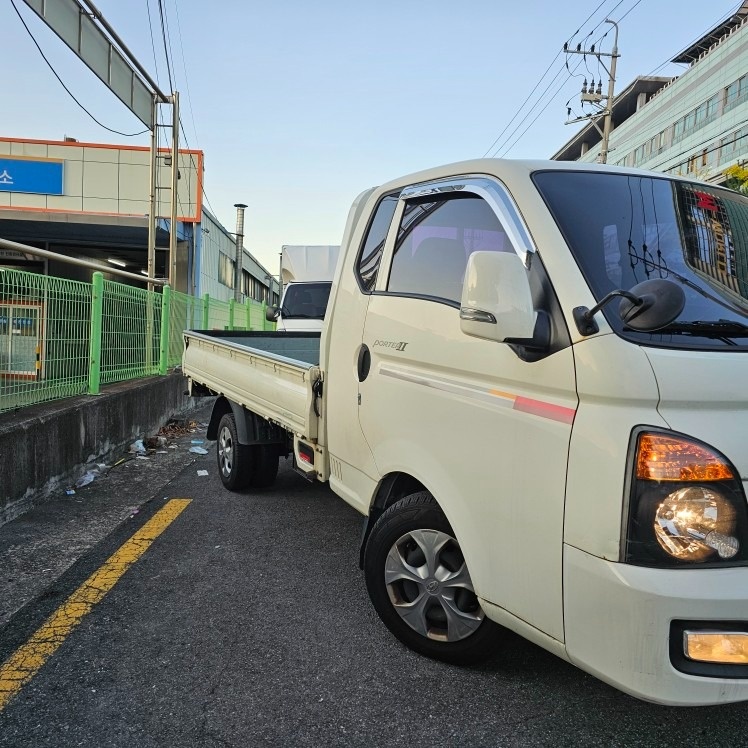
(420, 585)
(234, 459)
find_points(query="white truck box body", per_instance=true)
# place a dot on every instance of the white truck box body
(306, 274)
(308, 262)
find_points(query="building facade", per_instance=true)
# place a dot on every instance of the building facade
(91, 201)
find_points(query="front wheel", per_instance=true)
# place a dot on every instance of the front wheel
(420, 585)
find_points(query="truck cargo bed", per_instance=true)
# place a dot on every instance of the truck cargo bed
(299, 347)
(269, 373)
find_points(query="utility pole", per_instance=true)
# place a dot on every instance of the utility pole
(594, 95)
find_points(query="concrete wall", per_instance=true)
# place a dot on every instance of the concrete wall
(44, 448)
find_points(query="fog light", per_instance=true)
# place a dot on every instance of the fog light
(727, 647)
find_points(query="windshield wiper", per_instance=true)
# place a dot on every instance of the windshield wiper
(722, 328)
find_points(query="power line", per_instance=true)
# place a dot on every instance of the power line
(537, 85)
(189, 103)
(186, 79)
(568, 41)
(629, 10)
(493, 147)
(733, 128)
(166, 50)
(699, 37)
(503, 146)
(507, 148)
(548, 103)
(153, 43)
(69, 92)
(630, 141)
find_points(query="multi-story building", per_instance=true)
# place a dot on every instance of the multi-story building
(90, 201)
(695, 124)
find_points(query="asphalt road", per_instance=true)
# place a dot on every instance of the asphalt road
(247, 623)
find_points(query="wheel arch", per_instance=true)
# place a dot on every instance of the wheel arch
(392, 488)
(222, 406)
(250, 427)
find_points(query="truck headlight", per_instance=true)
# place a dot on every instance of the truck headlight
(686, 504)
(692, 522)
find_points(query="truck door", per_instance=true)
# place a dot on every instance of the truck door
(484, 430)
(353, 474)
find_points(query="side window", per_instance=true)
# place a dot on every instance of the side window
(371, 252)
(434, 241)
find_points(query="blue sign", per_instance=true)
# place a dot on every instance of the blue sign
(39, 176)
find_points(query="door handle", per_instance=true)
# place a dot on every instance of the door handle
(364, 362)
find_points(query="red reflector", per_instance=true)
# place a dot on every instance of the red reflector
(306, 453)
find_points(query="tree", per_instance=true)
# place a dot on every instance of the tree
(737, 178)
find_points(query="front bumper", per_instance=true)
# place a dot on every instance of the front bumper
(617, 621)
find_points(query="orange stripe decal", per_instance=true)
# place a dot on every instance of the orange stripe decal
(505, 395)
(545, 410)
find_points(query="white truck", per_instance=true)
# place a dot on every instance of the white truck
(531, 382)
(306, 273)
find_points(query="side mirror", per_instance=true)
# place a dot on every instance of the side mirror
(660, 302)
(496, 299)
(647, 307)
(272, 313)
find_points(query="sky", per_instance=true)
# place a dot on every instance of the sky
(299, 106)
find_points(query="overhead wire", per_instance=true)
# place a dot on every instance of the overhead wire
(696, 39)
(535, 88)
(166, 50)
(632, 140)
(499, 144)
(153, 43)
(502, 147)
(506, 147)
(732, 128)
(189, 104)
(62, 83)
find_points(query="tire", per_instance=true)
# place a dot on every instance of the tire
(234, 459)
(420, 586)
(264, 465)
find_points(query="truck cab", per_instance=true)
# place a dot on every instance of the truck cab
(302, 308)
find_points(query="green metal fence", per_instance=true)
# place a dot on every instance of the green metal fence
(60, 338)
(44, 330)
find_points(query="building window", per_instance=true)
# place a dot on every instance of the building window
(679, 129)
(712, 107)
(736, 93)
(225, 270)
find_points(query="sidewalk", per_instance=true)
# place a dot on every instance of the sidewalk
(40, 545)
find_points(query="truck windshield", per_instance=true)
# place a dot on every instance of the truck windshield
(306, 300)
(624, 229)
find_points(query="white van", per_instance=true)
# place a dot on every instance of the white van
(302, 308)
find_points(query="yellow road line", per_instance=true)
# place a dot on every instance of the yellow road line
(28, 659)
